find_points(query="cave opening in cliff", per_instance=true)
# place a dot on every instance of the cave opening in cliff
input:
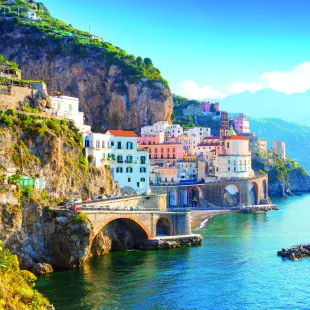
(124, 234)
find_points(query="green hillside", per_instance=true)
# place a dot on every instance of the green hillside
(71, 41)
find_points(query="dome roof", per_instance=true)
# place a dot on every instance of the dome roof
(231, 132)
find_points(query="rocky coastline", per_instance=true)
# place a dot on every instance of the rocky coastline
(295, 252)
(258, 209)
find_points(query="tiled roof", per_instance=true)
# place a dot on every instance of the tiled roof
(235, 138)
(122, 133)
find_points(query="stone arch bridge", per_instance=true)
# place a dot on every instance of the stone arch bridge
(225, 193)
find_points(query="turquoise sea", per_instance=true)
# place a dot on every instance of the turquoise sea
(235, 268)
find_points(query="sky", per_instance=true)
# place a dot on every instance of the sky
(206, 49)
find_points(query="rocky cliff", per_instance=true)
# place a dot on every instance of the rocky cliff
(49, 150)
(116, 90)
(284, 177)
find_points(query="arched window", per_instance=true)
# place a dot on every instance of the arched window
(142, 180)
(129, 159)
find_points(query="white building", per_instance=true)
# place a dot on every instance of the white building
(200, 132)
(187, 170)
(162, 126)
(68, 108)
(235, 159)
(118, 149)
(279, 148)
(32, 15)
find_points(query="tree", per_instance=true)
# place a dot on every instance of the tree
(148, 61)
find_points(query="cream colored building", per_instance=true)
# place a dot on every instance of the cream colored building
(235, 160)
(279, 148)
(262, 146)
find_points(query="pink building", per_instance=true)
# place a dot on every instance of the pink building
(206, 106)
(145, 140)
(241, 124)
(163, 151)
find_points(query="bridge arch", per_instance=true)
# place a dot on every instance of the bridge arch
(163, 226)
(195, 194)
(253, 193)
(131, 221)
(264, 187)
(232, 195)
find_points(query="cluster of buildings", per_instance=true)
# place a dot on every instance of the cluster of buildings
(167, 154)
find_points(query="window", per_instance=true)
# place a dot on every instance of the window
(129, 146)
(162, 156)
(173, 150)
(112, 143)
(119, 169)
(59, 106)
(103, 144)
(228, 161)
(120, 159)
(97, 144)
(228, 168)
(155, 150)
(142, 180)
(142, 160)
(228, 145)
(70, 107)
(142, 169)
(129, 159)
(234, 168)
(162, 150)
(129, 180)
(128, 170)
(86, 143)
(119, 145)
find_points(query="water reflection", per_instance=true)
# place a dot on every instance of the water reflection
(235, 268)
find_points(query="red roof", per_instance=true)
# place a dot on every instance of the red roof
(235, 138)
(209, 144)
(122, 133)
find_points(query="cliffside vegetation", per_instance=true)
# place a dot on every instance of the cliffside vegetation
(71, 41)
(50, 148)
(17, 286)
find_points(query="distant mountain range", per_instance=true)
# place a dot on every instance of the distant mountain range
(269, 103)
(296, 137)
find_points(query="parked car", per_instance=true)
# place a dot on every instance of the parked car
(111, 197)
(79, 200)
(75, 208)
(95, 199)
(87, 200)
(69, 202)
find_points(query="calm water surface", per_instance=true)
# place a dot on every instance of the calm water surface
(235, 268)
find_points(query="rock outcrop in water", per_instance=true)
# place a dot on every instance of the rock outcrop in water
(295, 252)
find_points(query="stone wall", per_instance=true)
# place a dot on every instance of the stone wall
(17, 94)
(216, 194)
(148, 202)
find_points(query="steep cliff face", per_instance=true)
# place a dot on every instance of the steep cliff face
(49, 149)
(110, 96)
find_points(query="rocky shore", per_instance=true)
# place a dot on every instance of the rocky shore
(295, 252)
(257, 209)
(170, 242)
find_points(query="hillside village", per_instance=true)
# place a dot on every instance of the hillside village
(160, 154)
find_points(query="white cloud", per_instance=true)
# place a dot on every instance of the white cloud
(191, 90)
(295, 81)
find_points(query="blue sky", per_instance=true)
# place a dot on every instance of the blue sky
(206, 48)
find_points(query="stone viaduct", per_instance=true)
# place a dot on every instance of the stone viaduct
(224, 192)
(146, 215)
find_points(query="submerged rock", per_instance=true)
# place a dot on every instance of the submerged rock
(41, 268)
